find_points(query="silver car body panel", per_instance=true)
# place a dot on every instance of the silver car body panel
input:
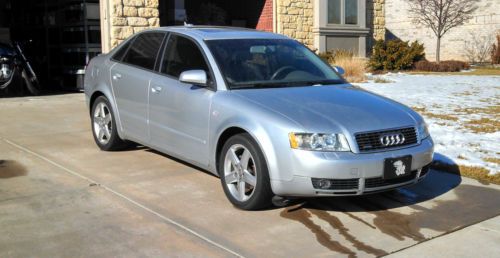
(186, 121)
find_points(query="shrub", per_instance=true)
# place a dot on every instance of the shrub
(330, 56)
(379, 79)
(443, 66)
(354, 68)
(395, 55)
(495, 52)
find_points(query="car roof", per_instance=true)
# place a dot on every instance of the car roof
(217, 32)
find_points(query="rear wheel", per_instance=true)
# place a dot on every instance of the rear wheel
(244, 174)
(104, 126)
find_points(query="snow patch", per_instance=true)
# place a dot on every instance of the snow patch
(450, 95)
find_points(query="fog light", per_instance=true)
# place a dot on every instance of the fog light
(324, 183)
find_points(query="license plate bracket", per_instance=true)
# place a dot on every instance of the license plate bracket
(397, 167)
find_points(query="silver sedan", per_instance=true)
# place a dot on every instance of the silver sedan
(259, 110)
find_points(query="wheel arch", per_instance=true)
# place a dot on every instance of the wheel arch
(93, 97)
(106, 92)
(257, 136)
(225, 135)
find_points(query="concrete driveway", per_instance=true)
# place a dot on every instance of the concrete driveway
(61, 196)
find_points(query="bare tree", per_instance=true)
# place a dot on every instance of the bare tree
(478, 47)
(441, 15)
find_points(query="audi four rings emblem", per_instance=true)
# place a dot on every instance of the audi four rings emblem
(392, 139)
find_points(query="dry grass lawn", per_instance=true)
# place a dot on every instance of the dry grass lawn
(479, 173)
(491, 110)
(493, 160)
(484, 125)
(424, 112)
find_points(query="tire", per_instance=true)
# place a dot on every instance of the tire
(104, 126)
(237, 179)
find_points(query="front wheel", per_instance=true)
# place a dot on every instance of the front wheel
(244, 174)
(104, 126)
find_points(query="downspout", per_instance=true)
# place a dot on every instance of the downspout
(275, 16)
(105, 25)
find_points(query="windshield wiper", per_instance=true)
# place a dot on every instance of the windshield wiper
(264, 85)
(321, 82)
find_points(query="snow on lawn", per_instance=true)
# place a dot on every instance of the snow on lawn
(462, 113)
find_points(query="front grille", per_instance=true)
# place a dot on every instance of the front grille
(371, 141)
(379, 181)
(337, 184)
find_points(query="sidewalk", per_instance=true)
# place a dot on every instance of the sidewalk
(479, 240)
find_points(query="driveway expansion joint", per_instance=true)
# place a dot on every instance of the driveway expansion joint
(128, 199)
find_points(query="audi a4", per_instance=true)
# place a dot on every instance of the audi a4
(257, 109)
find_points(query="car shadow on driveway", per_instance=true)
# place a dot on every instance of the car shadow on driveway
(178, 160)
(440, 204)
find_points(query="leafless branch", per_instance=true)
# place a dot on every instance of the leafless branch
(441, 15)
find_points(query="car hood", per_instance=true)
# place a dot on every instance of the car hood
(336, 108)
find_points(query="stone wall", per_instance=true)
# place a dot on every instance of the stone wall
(295, 19)
(131, 16)
(484, 25)
(375, 19)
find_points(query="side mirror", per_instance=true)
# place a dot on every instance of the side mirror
(339, 70)
(196, 77)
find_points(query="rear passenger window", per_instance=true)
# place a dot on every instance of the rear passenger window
(182, 55)
(144, 50)
(118, 56)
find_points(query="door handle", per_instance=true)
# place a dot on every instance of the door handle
(156, 89)
(117, 76)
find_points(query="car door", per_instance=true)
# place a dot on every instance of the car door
(179, 112)
(130, 77)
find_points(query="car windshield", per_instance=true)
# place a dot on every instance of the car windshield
(267, 63)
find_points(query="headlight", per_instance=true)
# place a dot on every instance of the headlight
(318, 142)
(423, 131)
(5, 72)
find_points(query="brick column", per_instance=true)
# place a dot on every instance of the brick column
(265, 22)
(122, 18)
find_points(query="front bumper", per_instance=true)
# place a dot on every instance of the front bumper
(351, 173)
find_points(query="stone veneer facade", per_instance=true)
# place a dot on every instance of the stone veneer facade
(294, 18)
(126, 17)
(375, 18)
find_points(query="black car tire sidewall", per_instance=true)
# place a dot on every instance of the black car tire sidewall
(262, 196)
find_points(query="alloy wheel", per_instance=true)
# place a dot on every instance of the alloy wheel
(102, 123)
(240, 173)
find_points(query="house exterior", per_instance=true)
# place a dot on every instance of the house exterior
(481, 29)
(319, 24)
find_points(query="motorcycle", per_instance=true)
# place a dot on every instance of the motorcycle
(16, 74)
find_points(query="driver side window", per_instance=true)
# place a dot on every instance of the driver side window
(182, 55)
